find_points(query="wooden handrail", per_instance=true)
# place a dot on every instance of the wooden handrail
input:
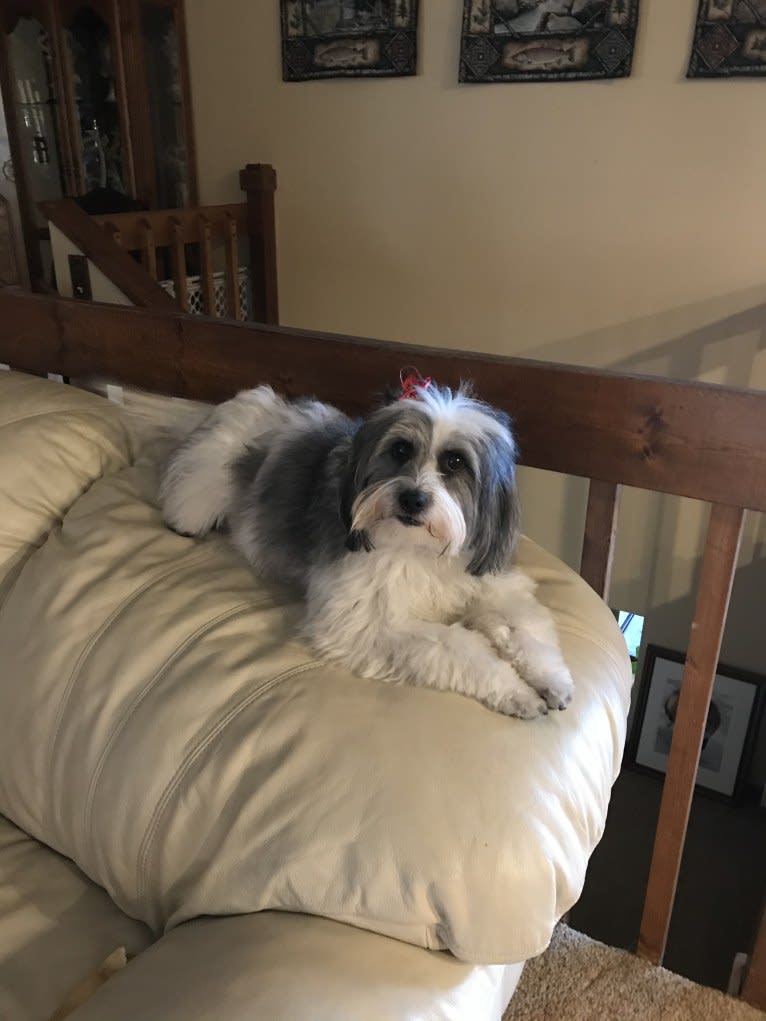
(104, 252)
(689, 439)
(169, 225)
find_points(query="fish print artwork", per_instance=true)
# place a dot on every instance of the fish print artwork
(542, 40)
(348, 38)
(729, 40)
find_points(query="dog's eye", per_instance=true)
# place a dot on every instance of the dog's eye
(453, 462)
(401, 451)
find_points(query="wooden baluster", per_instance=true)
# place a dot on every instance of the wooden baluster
(178, 259)
(148, 249)
(233, 304)
(714, 589)
(754, 987)
(600, 532)
(206, 281)
(114, 232)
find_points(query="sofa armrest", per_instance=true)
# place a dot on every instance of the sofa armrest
(278, 965)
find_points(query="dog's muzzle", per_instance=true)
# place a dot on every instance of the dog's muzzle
(412, 502)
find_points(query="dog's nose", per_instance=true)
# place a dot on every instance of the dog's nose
(413, 501)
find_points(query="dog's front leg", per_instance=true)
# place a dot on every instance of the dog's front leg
(431, 655)
(523, 632)
(452, 658)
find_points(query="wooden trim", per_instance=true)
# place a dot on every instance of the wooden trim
(28, 226)
(186, 92)
(76, 180)
(165, 223)
(123, 104)
(690, 439)
(109, 12)
(754, 987)
(100, 247)
(718, 565)
(259, 181)
(137, 102)
(600, 533)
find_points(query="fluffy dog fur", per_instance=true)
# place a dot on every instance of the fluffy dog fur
(400, 530)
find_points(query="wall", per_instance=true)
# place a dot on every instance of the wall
(500, 217)
(102, 288)
(601, 223)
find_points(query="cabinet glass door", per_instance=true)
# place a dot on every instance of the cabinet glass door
(32, 81)
(95, 92)
(162, 60)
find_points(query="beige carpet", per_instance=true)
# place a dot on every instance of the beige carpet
(578, 979)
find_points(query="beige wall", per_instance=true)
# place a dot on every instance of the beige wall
(612, 224)
(500, 217)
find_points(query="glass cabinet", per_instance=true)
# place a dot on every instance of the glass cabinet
(96, 98)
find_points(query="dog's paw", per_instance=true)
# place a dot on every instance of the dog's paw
(525, 704)
(558, 691)
(502, 641)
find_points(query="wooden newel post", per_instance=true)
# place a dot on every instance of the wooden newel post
(259, 181)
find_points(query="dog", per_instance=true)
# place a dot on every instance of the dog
(399, 530)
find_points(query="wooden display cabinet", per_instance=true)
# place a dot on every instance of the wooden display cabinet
(96, 96)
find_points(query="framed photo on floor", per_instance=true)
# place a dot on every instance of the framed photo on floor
(732, 720)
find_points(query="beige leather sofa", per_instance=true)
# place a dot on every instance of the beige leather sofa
(268, 837)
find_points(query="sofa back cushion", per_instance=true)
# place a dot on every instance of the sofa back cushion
(54, 442)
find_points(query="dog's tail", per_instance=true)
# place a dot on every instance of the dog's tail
(156, 425)
(194, 446)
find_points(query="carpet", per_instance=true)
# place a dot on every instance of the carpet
(578, 979)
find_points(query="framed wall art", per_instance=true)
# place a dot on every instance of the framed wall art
(547, 40)
(729, 39)
(348, 38)
(731, 725)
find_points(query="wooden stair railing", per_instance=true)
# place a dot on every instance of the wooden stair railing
(175, 244)
(686, 439)
(125, 273)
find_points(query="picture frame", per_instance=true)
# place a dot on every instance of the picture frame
(537, 40)
(348, 39)
(735, 712)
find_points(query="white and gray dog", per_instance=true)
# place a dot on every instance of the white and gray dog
(399, 529)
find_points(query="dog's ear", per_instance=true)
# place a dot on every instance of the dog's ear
(351, 485)
(496, 531)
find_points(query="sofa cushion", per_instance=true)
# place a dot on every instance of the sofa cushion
(55, 927)
(161, 726)
(286, 967)
(54, 441)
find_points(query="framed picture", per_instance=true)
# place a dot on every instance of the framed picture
(729, 40)
(547, 40)
(348, 38)
(729, 732)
